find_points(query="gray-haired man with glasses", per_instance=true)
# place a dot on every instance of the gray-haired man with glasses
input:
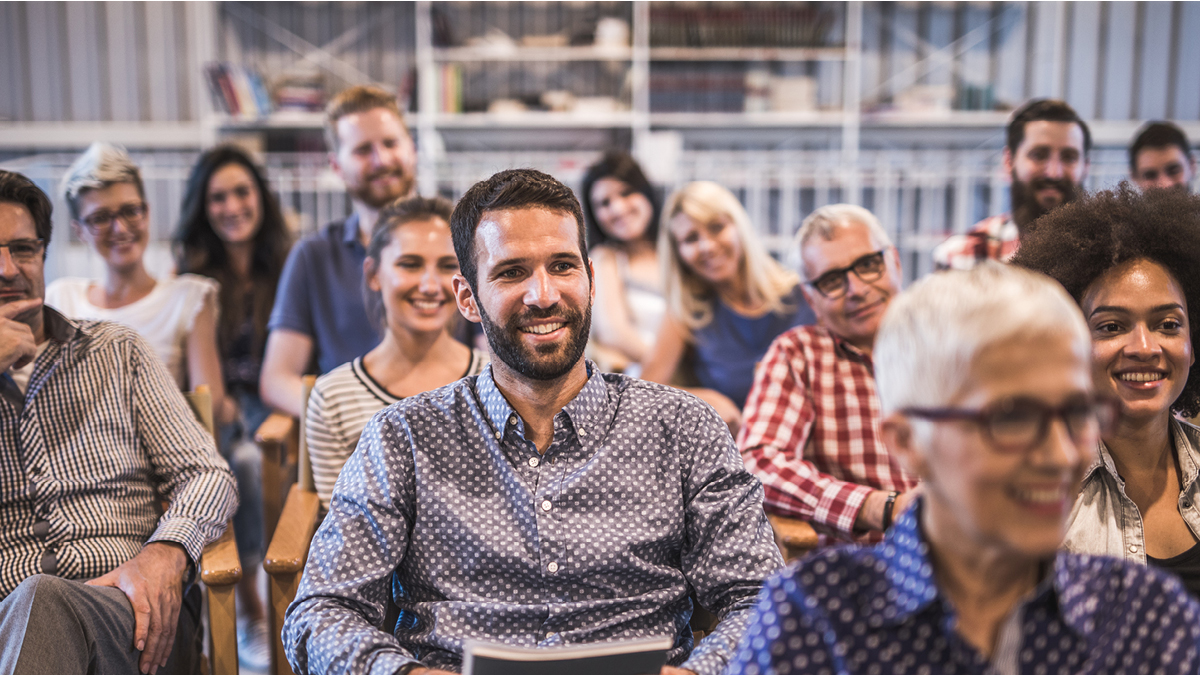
(811, 429)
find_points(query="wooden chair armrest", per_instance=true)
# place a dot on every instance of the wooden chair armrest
(795, 536)
(275, 429)
(293, 533)
(219, 562)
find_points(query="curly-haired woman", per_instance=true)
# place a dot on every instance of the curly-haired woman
(1132, 262)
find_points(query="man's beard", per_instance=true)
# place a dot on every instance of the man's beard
(506, 343)
(1026, 207)
(365, 194)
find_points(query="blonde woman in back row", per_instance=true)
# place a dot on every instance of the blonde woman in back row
(406, 275)
(177, 315)
(727, 298)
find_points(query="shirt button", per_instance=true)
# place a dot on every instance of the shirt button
(583, 432)
(499, 436)
(1133, 548)
(553, 567)
(512, 419)
(546, 505)
(533, 461)
(550, 635)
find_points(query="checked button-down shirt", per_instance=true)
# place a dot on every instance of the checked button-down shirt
(811, 432)
(100, 434)
(639, 500)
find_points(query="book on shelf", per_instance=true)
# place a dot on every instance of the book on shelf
(237, 91)
(632, 657)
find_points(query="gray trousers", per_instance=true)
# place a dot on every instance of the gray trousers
(53, 626)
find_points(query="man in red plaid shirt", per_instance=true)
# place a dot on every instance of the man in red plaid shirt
(1046, 156)
(811, 426)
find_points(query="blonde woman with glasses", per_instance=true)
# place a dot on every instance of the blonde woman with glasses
(177, 315)
(727, 298)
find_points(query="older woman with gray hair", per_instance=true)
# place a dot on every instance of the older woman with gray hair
(985, 384)
(176, 314)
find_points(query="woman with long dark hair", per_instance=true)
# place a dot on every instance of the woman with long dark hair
(232, 231)
(622, 217)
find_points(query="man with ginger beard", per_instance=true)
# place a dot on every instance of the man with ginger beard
(1046, 156)
(541, 503)
(319, 315)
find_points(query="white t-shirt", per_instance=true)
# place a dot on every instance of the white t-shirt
(164, 318)
(21, 375)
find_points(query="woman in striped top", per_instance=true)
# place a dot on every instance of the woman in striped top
(410, 262)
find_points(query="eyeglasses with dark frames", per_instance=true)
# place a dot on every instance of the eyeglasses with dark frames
(834, 283)
(102, 221)
(25, 250)
(1018, 425)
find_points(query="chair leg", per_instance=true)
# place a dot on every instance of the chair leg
(222, 630)
(282, 589)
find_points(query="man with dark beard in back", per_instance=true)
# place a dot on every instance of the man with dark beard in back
(1046, 156)
(541, 503)
(319, 315)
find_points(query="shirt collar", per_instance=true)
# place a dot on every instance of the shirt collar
(848, 350)
(913, 587)
(1185, 450)
(350, 230)
(586, 411)
(58, 327)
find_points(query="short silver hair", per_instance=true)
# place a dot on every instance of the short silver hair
(100, 166)
(826, 220)
(931, 334)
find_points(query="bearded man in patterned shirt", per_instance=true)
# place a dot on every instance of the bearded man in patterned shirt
(538, 504)
(811, 424)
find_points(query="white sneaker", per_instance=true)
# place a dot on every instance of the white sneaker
(254, 645)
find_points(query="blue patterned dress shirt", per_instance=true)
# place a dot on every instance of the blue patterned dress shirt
(879, 610)
(640, 499)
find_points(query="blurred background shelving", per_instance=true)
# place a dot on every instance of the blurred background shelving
(899, 106)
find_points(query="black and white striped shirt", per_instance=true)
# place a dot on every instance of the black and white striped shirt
(100, 434)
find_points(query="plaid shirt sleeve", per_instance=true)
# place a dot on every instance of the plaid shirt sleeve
(777, 432)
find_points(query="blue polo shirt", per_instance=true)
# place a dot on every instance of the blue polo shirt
(320, 295)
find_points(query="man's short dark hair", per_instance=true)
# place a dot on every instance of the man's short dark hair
(508, 190)
(18, 189)
(1158, 135)
(1044, 110)
(1077, 243)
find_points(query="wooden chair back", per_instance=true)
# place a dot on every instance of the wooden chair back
(289, 542)
(220, 571)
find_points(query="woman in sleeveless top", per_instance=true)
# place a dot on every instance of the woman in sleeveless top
(176, 314)
(622, 216)
(1130, 260)
(407, 283)
(727, 298)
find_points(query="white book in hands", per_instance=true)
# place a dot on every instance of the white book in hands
(631, 657)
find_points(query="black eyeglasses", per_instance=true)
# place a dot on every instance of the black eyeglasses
(1018, 425)
(25, 250)
(101, 221)
(834, 283)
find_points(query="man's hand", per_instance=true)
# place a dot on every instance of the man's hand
(17, 344)
(153, 582)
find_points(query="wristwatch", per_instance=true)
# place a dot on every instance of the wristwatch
(887, 509)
